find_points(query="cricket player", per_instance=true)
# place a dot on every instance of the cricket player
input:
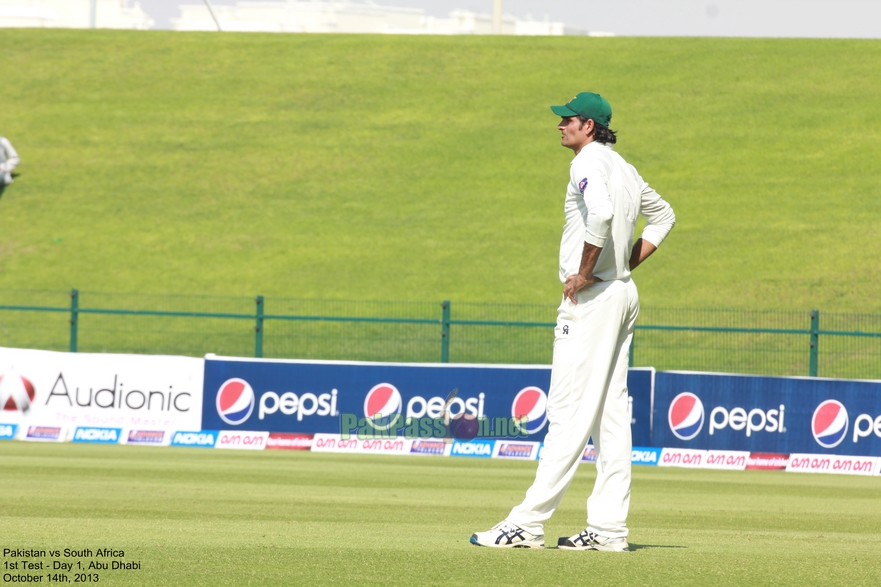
(588, 393)
(8, 161)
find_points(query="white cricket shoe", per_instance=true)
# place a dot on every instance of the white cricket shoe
(507, 535)
(587, 540)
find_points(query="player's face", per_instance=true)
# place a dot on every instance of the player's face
(573, 133)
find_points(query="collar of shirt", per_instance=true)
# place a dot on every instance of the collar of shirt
(593, 145)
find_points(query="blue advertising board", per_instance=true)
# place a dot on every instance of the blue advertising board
(767, 414)
(645, 455)
(195, 438)
(7, 431)
(340, 397)
(640, 387)
(95, 435)
(479, 448)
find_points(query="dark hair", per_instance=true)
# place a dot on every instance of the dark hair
(601, 134)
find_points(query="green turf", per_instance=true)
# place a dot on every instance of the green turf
(425, 168)
(203, 517)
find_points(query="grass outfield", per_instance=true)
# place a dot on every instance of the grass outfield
(427, 168)
(197, 517)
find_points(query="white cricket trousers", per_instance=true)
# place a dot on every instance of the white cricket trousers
(588, 398)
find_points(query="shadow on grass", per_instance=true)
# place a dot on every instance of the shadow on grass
(4, 185)
(635, 547)
(2, 189)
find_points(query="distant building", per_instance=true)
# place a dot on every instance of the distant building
(314, 16)
(74, 14)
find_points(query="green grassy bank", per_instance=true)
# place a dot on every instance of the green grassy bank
(425, 168)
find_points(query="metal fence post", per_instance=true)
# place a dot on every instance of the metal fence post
(445, 332)
(258, 329)
(815, 340)
(74, 317)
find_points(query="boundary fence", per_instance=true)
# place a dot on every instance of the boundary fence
(722, 340)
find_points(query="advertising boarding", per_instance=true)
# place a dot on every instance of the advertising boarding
(389, 400)
(767, 414)
(98, 397)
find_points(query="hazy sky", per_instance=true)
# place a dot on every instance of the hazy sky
(741, 18)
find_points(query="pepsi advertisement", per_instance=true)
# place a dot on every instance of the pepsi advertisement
(767, 414)
(505, 401)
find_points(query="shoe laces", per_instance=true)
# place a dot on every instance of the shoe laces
(510, 530)
(586, 537)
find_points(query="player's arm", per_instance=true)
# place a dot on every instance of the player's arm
(640, 252)
(585, 276)
(660, 220)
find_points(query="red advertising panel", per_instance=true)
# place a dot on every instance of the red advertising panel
(767, 461)
(283, 441)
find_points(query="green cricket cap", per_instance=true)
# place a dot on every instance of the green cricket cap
(588, 105)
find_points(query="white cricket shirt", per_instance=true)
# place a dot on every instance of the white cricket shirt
(8, 157)
(604, 198)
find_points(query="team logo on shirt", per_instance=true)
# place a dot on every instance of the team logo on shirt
(581, 185)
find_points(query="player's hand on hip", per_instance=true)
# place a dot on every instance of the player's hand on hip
(576, 283)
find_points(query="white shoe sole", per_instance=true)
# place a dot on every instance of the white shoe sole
(526, 544)
(598, 547)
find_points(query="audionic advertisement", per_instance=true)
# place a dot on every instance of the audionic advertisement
(97, 397)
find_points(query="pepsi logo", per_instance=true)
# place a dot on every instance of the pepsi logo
(686, 415)
(235, 401)
(531, 403)
(16, 392)
(829, 424)
(383, 400)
